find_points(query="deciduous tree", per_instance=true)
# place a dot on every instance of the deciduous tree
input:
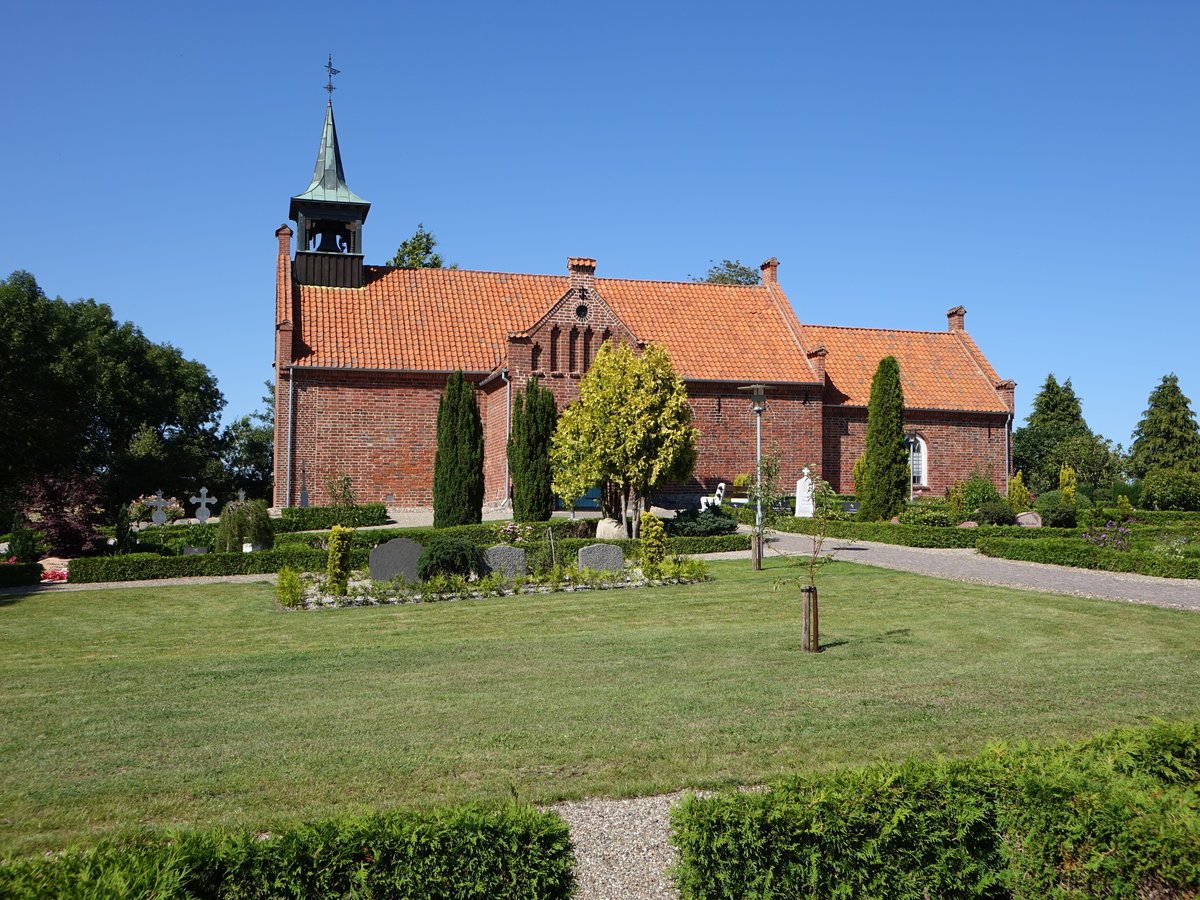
(886, 477)
(1167, 436)
(458, 461)
(730, 271)
(83, 394)
(534, 416)
(630, 429)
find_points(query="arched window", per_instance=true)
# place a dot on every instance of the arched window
(918, 459)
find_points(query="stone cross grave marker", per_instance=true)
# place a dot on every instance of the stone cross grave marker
(159, 516)
(395, 557)
(241, 496)
(203, 502)
(602, 557)
(506, 559)
(804, 497)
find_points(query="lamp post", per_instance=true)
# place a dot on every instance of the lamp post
(758, 401)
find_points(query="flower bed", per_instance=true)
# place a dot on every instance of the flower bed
(364, 592)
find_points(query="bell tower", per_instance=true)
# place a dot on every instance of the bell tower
(329, 216)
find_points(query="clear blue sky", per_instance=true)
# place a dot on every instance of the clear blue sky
(1038, 163)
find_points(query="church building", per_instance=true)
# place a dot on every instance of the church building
(362, 353)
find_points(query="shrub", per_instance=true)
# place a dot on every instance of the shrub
(338, 565)
(458, 460)
(1171, 489)
(701, 523)
(996, 512)
(654, 544)
(1058, 515)
(23, 542)
(859, 473)
(1086, 556)
(143, 566)
(341, 492)
(321, 518)
(534, 416)
(126, 540)
(1067, 484)
(516, 853)
(929, 514)
(19, 574)
(288, 589)
(140, 509)
(67, 511)
(244, 522)
(1018, 495)
(450, 555)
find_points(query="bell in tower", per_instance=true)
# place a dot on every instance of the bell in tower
(329, 216)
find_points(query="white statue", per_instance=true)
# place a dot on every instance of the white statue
(804, 497)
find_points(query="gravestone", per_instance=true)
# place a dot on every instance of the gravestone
(160, 504)
(194, 551)
(1029, 519)
(804, 497)
(203, 502)
(506, 559)
(396, 557)
(602, 557)
(851, 508)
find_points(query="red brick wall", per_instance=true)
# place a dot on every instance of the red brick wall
(956, 445)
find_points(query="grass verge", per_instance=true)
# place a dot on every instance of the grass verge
(203, 705)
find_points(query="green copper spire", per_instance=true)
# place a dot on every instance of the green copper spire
(329, 181)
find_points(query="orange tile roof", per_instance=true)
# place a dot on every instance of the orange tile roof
(938, 369)
(443, 319)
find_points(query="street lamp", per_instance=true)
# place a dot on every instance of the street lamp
(758, 401)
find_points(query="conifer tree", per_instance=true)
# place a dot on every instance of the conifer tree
(1167, 436)
(886, 478)
(458, 462)
(1038, 447)
(534, 417)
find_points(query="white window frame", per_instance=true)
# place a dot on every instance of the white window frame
(918, 452)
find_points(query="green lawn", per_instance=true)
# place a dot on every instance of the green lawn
(204, 705)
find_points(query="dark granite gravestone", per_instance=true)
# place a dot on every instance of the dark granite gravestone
(506, 559)
(396, 557)
(601, 557)
(851, 508)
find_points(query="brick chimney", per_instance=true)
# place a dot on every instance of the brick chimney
(1008, 393)
(817, 359)
(770, 271)
(583, 272)
(956, 318)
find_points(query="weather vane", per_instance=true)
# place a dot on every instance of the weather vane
(332, 71)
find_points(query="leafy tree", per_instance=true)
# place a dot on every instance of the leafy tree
(631, 430)
(534, 416)
(1167, 436)
(248, 450)
(417, 252)
(886, 478)
(458, 462)
(730, 271)
(1038, 447)
(82, 393)
(67, 511)
(1095, 459)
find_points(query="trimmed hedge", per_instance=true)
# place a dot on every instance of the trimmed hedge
(1155, 516)
(920, 535)
(20, 574)
(143, 566)
(511, 854)
(483, 534)
(1115, 817)
(1083, 555)
(316, 518)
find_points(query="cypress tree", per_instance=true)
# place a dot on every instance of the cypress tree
(534, 417)
(1167, 436)
(458, 462)
(886, 476)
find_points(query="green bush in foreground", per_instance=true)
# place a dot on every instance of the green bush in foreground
(1116, 817)
(337, 566)
(450, 555)
(244, 522)
(511, 854)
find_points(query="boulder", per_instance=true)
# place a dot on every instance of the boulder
(609, 530)
(969, 525)
(1029, 519)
